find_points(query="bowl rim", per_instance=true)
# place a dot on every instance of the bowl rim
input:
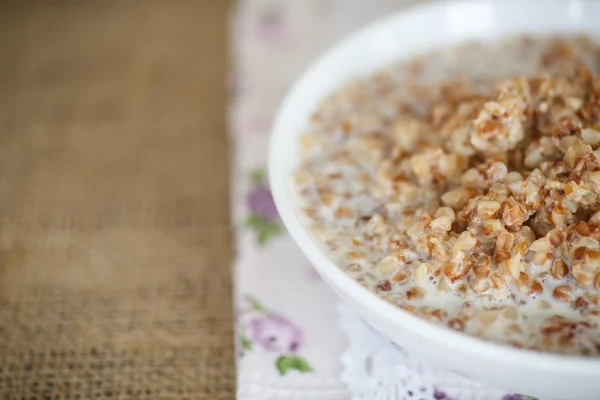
(460, 342)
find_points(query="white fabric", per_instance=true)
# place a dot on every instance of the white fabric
(375, 368)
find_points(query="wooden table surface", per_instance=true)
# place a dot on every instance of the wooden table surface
(115, 248)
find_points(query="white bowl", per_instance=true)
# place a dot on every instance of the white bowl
(396, 37)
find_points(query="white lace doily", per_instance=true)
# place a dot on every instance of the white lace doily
(374, 368)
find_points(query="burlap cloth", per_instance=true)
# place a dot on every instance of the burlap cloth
(114, 241)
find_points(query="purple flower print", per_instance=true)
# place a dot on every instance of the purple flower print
(439, 395)
(271, 24)
(263, 217)
(260, 202)
(275, 333)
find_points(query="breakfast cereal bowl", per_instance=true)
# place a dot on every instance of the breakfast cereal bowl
(534, 373)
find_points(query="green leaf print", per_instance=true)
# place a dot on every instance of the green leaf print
(257, 176)
(268, 231)
(255, 304)
(264, 228)
(246, 343)
(255, 221)
(286, 363)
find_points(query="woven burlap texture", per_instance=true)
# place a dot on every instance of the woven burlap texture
(115, 250)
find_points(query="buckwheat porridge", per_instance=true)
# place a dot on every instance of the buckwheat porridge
(464, 186)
